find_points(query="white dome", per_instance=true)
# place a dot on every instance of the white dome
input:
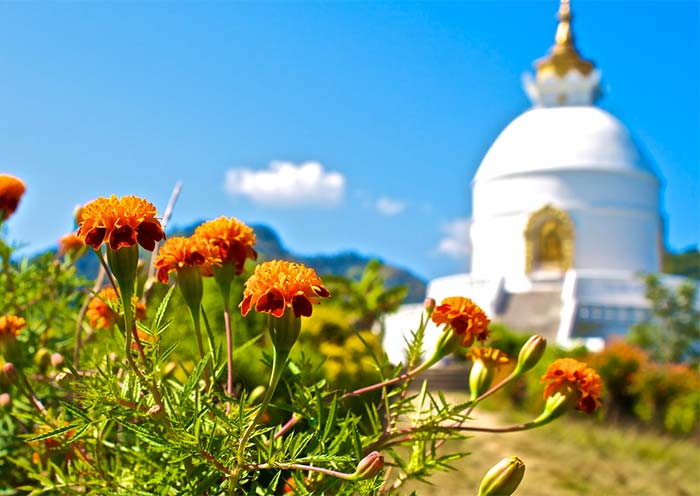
(563, 138)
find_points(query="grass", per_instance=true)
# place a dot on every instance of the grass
(574, 456)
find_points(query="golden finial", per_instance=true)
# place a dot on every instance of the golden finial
(563, 56)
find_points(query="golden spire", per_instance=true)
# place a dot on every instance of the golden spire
(563, 56)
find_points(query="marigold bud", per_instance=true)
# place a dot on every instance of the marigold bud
(530, 354)
(10, 372)
(447, 343)
(369, 466)
(57, 360)
(42, 359)
(480, 378)
(485, 361)
(429, 305)
(5, 401)
(256, 393)
(503, 478)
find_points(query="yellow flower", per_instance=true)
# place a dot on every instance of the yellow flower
(10, 325)
(567, 374)
(278, 285)
(120, 222)
(464, 316)
(11, 191)
(179, 252)
(232, 241)
(485, 362)
(490, 356)
(101, 314)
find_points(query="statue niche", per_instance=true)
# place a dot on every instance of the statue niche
(549, 240)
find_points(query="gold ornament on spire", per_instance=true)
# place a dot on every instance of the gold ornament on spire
(563, 56)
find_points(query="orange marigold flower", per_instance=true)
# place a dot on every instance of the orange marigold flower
(490, 356)
(70, 243)
(569, 372)
(10, 325)
(277, 285)
(179, 252)
(101, 314)
(232, 239)
(120, 222)
(464, 316)
(11, 191)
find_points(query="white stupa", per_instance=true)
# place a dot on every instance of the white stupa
(565, 215)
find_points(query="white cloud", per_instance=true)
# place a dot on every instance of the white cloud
(285, 183)
(388, 206)
(455, 242)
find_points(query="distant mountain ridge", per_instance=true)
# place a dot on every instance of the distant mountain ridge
(346, 263)
(269, 246)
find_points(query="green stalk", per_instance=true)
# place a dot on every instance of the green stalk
(279, 360)
(194, 312)
(223, 276)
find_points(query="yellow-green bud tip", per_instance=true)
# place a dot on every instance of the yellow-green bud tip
(503, 478)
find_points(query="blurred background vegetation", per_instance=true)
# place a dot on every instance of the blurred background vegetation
(651, 382)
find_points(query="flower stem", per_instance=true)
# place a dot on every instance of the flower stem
(298, 466)
(81, 315)
(30, 392)
(194, 312)
(492, 390)
(405, 376)
(129, 329)
(279, 360)
(229, 352)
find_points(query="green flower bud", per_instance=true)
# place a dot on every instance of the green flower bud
(42, 359)
(256, 393)
(448, 342)
(503, 478)
(530, 354)
(124, 263)
(189, 280)
(480, 378)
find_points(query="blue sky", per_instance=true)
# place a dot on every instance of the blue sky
(388, 106)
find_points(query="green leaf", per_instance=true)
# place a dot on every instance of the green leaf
(330, 417)
(53, 433)
(78, 412)
(160, 313)
(193, 379)
(144, 434)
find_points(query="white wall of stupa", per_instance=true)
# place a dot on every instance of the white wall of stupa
(577, 159)
(565, 216)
